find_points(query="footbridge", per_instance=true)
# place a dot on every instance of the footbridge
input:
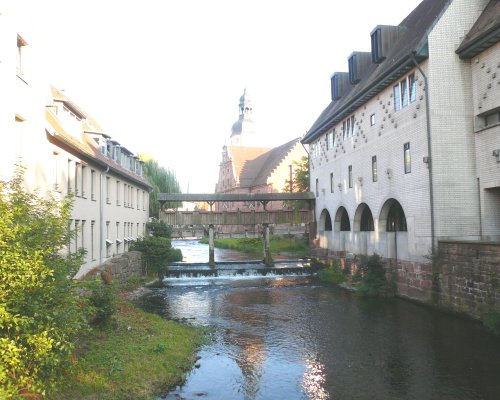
(211, 219)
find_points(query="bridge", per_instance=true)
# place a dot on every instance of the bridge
(212, 218)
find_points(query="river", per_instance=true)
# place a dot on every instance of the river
(291, 337)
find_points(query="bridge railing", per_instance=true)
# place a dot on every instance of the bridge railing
(176, 218)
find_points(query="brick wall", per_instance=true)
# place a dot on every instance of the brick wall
(469, 276)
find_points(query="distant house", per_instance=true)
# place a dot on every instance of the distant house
(64, 150)
(252, 169)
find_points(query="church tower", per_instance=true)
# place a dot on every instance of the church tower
(243, 130)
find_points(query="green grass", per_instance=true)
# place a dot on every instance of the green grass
(278, 244)
(138, 356)
(333, 275)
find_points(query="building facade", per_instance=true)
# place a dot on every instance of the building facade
(64, 151)
(405, 154)
(247, 168)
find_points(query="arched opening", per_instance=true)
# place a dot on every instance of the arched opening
(342, 221)
(396, 219)
(325, 221)
(367, 220)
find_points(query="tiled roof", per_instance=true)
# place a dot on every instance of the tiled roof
(241, 154)
(484, 33)
(256, 171)
(87, 149)
(412, 43)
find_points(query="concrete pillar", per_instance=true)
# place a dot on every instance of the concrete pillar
(211, 245)
(268, 260)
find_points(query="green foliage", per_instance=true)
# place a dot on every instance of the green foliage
(162, 180)
(334, 275)
(101, 300)
(300, 182)
(159, 229)
(374, 282)
(492, 321)
(40, 310)
(157, 252)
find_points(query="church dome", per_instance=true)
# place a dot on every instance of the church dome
(243, 125)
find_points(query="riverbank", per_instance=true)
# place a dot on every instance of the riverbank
(278, 245)
(136, 356)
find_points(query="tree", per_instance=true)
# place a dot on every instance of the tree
(162, 180)
(40, 310)
(300, 182)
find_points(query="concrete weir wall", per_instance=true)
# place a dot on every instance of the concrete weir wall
(463, 278)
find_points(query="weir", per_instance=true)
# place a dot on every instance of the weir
(210, 219)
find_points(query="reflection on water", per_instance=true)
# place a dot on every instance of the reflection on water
(293, 338)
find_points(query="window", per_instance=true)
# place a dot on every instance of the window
(331, 182)
(92, 184)
(350, 176)
(70, 176)
(372, 119)
(137, 203)
(108, 190)
(376, 42)
(317, 187)
(78, 173)
(125, 195)
(83, 180)
(348, 128)
(117, 193)
(55, 156)
(108, 241)
(77, 227)
(487, 119)
(407, 158)
(397, 97)
(374, 169)
(405, 92)
(83, 235)
(327, 141)
(92, 234)
(412, 83)
(117, 236)
(19, 61)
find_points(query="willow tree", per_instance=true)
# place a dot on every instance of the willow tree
(162, 180)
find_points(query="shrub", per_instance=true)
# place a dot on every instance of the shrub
(492, 321)
(40, 311)
(159, 229)
(157, 252)
(102, 302)
(374, 282)
(334, 275)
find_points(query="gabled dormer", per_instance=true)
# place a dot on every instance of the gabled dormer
(383, 39)
(359, 62)
(340, 84)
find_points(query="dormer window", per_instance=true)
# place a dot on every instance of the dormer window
(339, 82)
(376, 39)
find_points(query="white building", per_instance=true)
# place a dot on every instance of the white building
(406, 154)
(64, 150)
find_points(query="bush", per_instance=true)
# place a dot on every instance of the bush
(157, 252)
(373, 281)
(40, 311)
(334, 275)
(102, 302)
(159, 229)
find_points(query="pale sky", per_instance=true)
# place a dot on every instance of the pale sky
(164, 77)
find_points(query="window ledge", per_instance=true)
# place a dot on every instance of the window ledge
(487, 127)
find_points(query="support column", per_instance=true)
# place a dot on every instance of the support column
(211, 245)
(268, 260)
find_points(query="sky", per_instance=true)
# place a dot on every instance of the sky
(164, 77)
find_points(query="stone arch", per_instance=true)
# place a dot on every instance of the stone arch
(363, 219)
(392, 217)
(342, 221)
(325, 221)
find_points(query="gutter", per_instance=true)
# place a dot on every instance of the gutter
(429, 150)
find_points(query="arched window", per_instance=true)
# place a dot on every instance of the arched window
(396, 220)
(325, 221)
(366, 220)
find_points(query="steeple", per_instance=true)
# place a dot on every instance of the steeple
(243, 129)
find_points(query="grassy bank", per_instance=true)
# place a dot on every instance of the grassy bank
(137, 356)
(279, 245)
